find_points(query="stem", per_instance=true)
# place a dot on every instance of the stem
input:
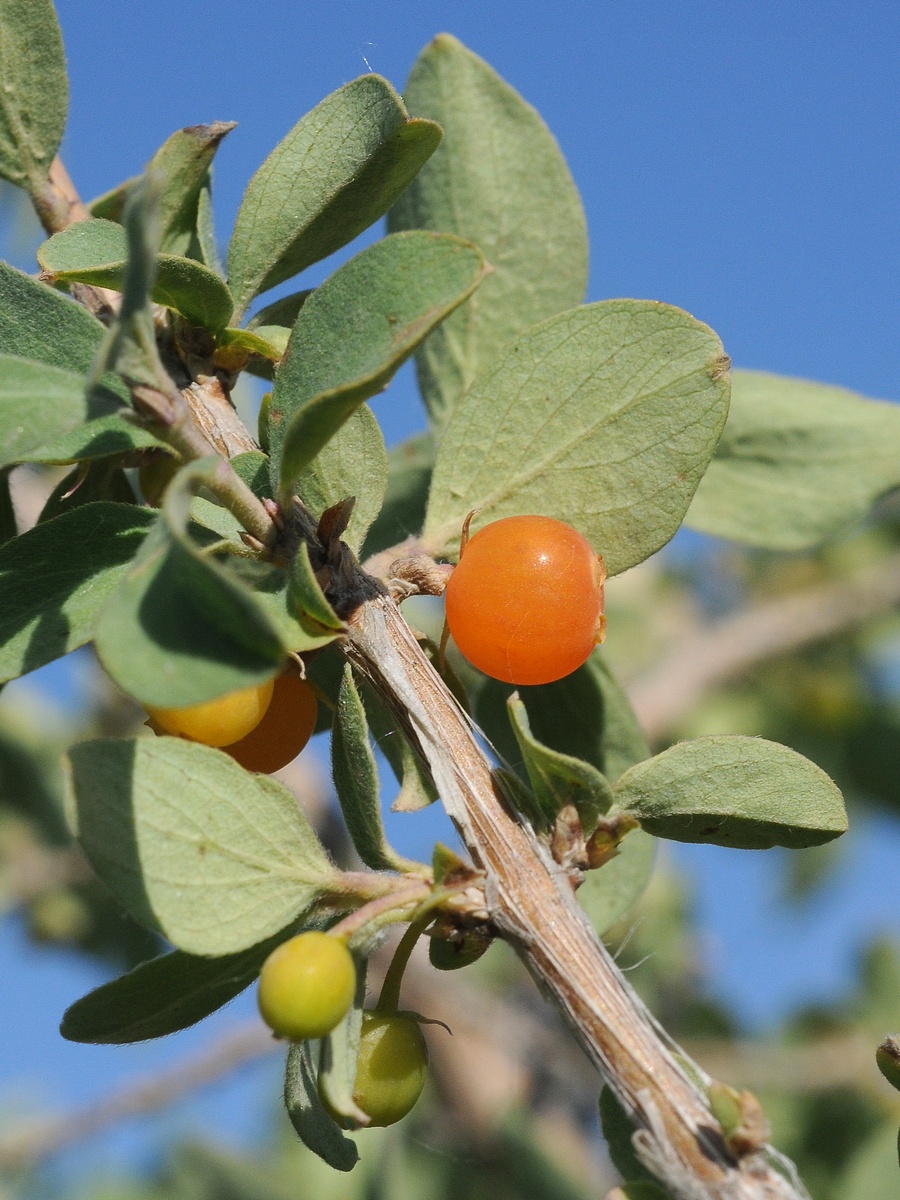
(389, 1000)
(385, 910)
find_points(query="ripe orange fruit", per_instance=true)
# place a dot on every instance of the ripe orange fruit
(525, 603)
(288, 725)
(217, 722)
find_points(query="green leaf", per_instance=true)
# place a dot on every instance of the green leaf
(181, 628)
(96, 252)
(191, 844)
(416, 789)
(34, 99)
(618, 1131)
(89, 483)
(499, 180)
(559, 779)
(733, 791)
(253, 468)
(339, 1055)
(355, 331)
(354, 463)
(283, 312)
(39, 402)
(406, 498)
(338, 170)
(103, 437)
(798, 462)
(605, 417)
(184, 160)
(305, 595)
(271, 589)
(356, 781)
(40, 323)
(256, 342)
(207, 246)
(871, 1173)
(163, 995)
(314, 1126)
(57, 578)
(609, 892)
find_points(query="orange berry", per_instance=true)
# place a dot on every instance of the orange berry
(217, 722)
(287, 726)
(525, 603)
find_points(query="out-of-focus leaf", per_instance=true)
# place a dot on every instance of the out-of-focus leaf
(733, 791)
(618, 1131)
(873, 1172)
(605, 417)
(57, 578)
(798, 462)
(406, 498)
(31, 782)
(609, 892)
(314, 1126)
(96, 252)
(355, 331)
(35, 91)
(191, 844)
(338, 170)
(499, 180)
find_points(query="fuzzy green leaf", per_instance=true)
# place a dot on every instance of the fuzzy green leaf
(39, 323)
(184, 160)
(733, 791)
(191, 844)
(315, 1128)
(34, 98)
(499, 180)
(355, 331)
(96, 252)
(356, 780)
(57, 578)
(559, 779)
(181, 628)
(39, 402)
(164, 995)
(609, 892)
(340, 1052)
(338, 170)
(305, 594)
(354, 463)
(605, 417)
(103, 437)
(406, 497)
(798, 462)
(253, 468)
(283, 312)
(416, 789)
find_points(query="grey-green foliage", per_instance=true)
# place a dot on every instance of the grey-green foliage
(409, 477)
(356, 780)
(733, 791)
(57, 578)
(185, 159)
(499, 180)
(339, 1056)
(798, 462)
(182, 628)
(39, 402)
(308, 1115)
(873, 1172)
(338, 170)
(605, 417)
(559, 779)
(192, 845)
(163, 995)
(305, 594)
(353, 463)
(34, 98)
(96, 252)
(610, 891)
(355, 331)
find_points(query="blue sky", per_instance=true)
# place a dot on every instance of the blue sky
(738, 160)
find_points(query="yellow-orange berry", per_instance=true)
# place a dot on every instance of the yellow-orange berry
(306, 986)
(525, 603)
(285, 729)
(217, 722)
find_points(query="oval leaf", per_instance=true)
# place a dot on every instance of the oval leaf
(498, 179)
(733, 791)
(798, 462)
(96, 252)
(338, 170)
(355, 331)
(405, 499)
(35, 93)
(605, 417)
(57, 578)
(315, 1128)
(193, 845)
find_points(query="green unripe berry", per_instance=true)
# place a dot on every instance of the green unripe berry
(306, 986)
(392, 1066)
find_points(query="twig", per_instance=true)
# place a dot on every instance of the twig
(533, 906)
(709, 658)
